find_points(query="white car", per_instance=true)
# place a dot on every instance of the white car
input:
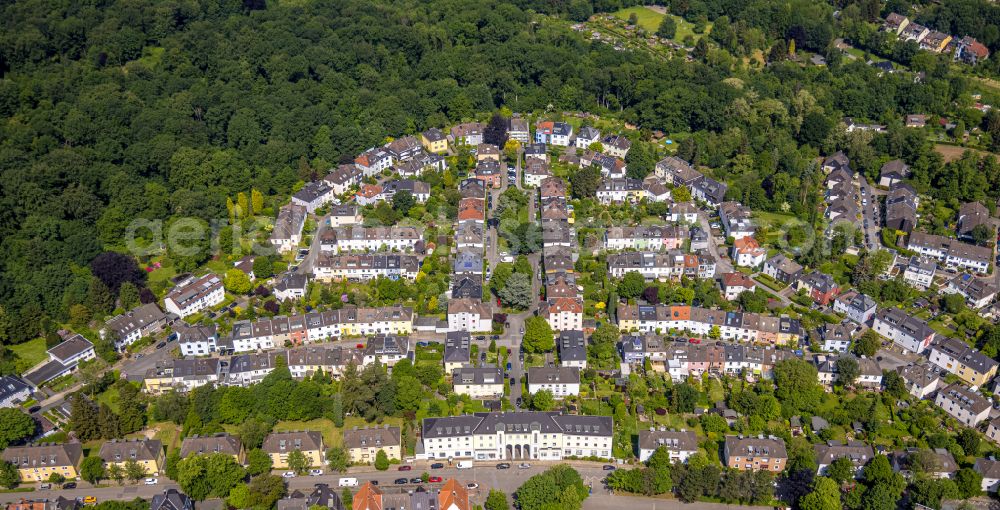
(288, 474)
(472, 485)
(523, 465)
(315, 472)
(151, 481)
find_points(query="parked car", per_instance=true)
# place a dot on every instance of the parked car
(161, 345)
(503, 465)
(34, 409)
(472, 485)
(416, 480)
(69, 485)
(401, 481)
(45, 486)
(151, 481)
(288, 474)
(523, 465)
(508, 365)
(404, 468)
(518, 404)
(90, 500)
(373, 482)
(694, 340)
(437, 465)
(482, 356)
(608, 467)
(434, 479)
(359, 346)
(315, 472)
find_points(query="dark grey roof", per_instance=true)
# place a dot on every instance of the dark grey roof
(477, 375)
(677, 441)
(488, 423)
(553, 375)
(457, 347)
(171, 499)
(217, 443)
(138, 318)
(10, 385)
(572, 346)
(372, 436)
(46, 373)
(70, 347)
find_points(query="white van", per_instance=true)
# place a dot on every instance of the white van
(348, 482)
(464, 464)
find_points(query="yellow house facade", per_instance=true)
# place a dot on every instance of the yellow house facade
(363, 444)
(148, 453)
(36, 463)
(434, 141)
(279, 444)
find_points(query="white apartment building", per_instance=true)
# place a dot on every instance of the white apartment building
(478, 382)
(194, 295)
(681, 444)
(963, 404)
(517, 435)
(907, 332)
(561, 381)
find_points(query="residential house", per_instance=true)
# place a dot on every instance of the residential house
(919, 272)
(895, 23)
(906, 331)
(587, 136)
(279, 444)
(616, 145)
(735, 283)
(373, 161)
(291, 287)
(836, 337)
(856, 306)
(746, 252)
(732, 326)
(365, 267)
(534, 171)
(434, 141)
(662, 266)
(222, 442)
(472, 209)
(978, 293)
(915, 121)
(468, 262)
(537, 151)
(416, 166)
(676, 172)
(560, 381)
(369, 194)
(857, 452)
(993, 430)
(893, 172)
(914, 32)
(920, 380)
(490, 172)
(572, 349)
(343, 178)
(970, 51)
(363, 444)
(287, 231)
(656, 191)
(457, 350)
(684, 212)
(989, 470)
(181, 375)
(470, 315)
(472, 188)
(709, 191)
(837, 161)
(783, 269)
(469, 236)
(194, 295)
(405, 148)
(245, 370)
(901, 207)
(478, 382)
(518, 130)
(305, 361)
(553, 133)
(619, 191)
(523, 435)
(468, 133)
(942, 462)
(963, 404)
(735, 219)
(644, 238)
(680, 444)
(452, 496)
(970, 216)
(13, 391)
(755, 453)
(821, 287)
(143, 320)
(148, 453)
(368, 497)
(171, 499)
(562, 313)
(314, 195)
(419, 190)
(196, 340)
(347, 214)
(467, 286)
(63, 359)
(356, 238)
(36, 463)
(963, 360)
(935, 41)
(386, 349)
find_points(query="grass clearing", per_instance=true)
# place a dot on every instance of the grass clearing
(29, 353)
(647, 18)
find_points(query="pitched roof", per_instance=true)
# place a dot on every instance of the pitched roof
(453, 495)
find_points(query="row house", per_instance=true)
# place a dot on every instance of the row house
(951, 252)
(472, 209)
(471, 188)
(552, 187)
(735, 219)
(557, 260)
(490, 171)
(346, 214)
(821, 287)
(558, 233)
(365, 267)
(522, 435)
(469, 235)
(919, 272)
(644, 238)
(486, 151)
(837, 161)
(620, 191)
(249, 369)
(662, 266)
(457, 350)
(572, 349)
(737, 326)
(194, 295)
(535, 170)
(555, 209)
(197, 340)
(306, 361)
(539, 151)
(963, 360)
(356, 238)
(616, 145)
(467, 286)
(287, 232)
(893, 172)
(906, 331)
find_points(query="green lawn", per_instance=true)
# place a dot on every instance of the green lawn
(29, 353)
(648, 19)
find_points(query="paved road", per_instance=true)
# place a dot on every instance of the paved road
(870, 215)
(722, 264)
(306, 265)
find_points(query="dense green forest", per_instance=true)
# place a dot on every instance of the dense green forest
(116, 110)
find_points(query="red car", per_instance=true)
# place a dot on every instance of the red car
(404, 468)
(434, 479)
(360, 346)
(694, 340)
